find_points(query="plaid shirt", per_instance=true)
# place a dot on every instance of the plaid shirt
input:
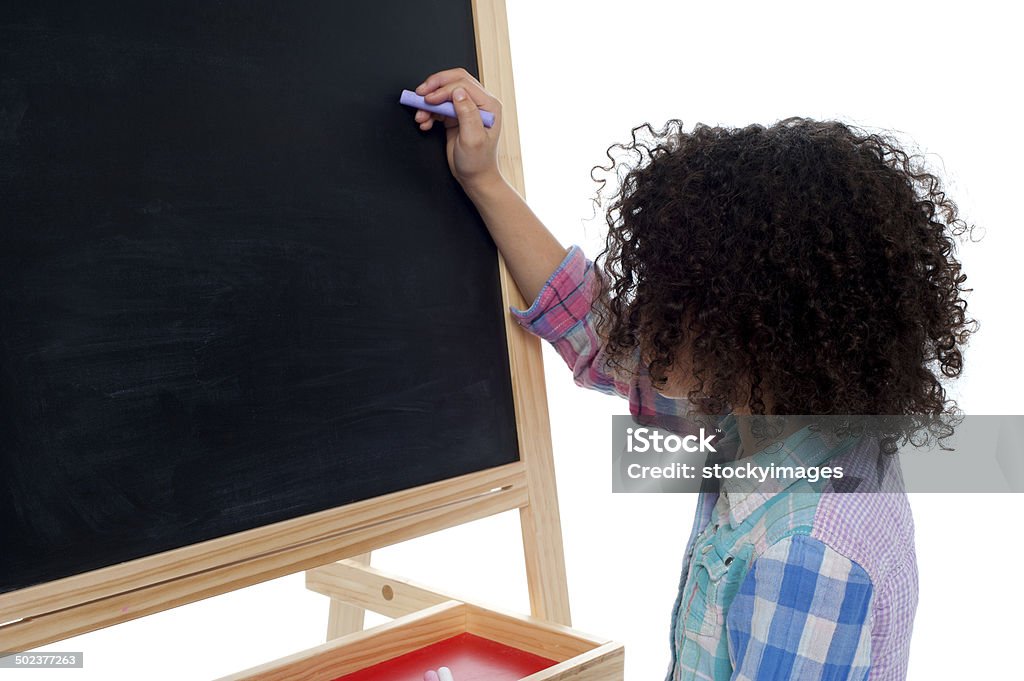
(790, 580)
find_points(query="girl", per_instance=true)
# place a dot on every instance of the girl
(803, 268)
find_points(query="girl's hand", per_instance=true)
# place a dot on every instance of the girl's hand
(472, 148)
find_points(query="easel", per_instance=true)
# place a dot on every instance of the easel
(334, 546)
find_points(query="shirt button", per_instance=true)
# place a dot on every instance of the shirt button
(728, 561)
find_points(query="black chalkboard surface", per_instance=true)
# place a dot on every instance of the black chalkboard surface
(237, 284)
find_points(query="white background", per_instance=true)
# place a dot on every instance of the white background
(938, 75)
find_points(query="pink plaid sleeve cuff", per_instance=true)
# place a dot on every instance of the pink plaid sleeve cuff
(564, 300)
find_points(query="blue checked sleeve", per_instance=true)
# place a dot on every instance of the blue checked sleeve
(802, 613)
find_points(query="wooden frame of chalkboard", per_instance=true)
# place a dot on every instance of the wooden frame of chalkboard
(76, 604)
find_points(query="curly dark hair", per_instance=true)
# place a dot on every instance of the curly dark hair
(809, 263)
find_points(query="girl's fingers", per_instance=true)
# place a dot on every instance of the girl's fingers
(481, 97)
(426, 119)
(436, 80)
(422, 115)
(439, 87)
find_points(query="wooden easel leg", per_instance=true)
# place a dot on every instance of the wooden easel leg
(345, 618)
(542, 533)
(545, 557)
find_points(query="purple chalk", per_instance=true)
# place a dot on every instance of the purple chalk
(410, 98)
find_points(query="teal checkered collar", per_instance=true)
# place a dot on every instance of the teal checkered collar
(786, 465)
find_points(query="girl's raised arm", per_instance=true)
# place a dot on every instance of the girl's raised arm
(530, 251)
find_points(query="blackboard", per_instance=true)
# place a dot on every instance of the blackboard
(237, 284)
